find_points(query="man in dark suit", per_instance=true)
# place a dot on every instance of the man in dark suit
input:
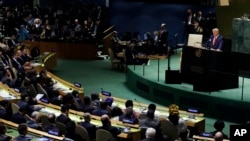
(163, 39)
(87, 106)
(52, 124)
(106, 125)
(3, 136)
(4, 110)
(64, 116)
(91, 128)
(101, 110)
(19, 117)
(215, 41)
(22, 130)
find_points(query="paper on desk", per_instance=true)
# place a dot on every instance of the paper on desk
(39, 96)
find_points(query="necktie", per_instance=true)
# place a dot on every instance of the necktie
(214, 40)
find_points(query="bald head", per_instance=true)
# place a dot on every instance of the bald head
(218, 136)
(150, 133)
(105, 120)
(87, 117)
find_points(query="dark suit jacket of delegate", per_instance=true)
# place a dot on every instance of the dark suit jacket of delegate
(63, 119)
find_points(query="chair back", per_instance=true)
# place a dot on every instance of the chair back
(82, 132)
(14, 107)
(169, 129)
(103, 135)
(61, 127)
(32, 90)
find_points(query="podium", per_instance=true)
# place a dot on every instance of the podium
(208, 70)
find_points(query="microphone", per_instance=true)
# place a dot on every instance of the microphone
(140, 106)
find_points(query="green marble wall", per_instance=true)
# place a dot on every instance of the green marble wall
(241, 35)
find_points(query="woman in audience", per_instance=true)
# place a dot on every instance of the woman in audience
(129, 117)
(175, 118)
(87, 106)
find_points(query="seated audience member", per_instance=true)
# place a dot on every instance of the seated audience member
(7, 77)
(22, 130)
(3, 136)
(183, 135)
(91, 128)
(116, 112)
(106, 125)
(52, 124)
(34, 121)
(69, 101)
(5, 110)
(152, 107)
(20, 116)
(219, 126)
(23, 102)
(102, 110)
(175, 118)
(129, 103)
(87, 106)
(150, 134)
(218, 136)
(95, 100)
(64, 116)
(149, 121)
(129, 116)
(77, 99)
(71, 133)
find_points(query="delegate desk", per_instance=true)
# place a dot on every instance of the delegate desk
(66, 50)
(208, 70)
(199, 138)
(65, 87)
(134, 133)
(7, 93)
(35, 134)
(47, 60)
(162, 112)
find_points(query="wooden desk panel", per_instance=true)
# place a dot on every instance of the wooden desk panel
(66, 50)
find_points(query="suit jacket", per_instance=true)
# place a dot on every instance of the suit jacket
(91, 128)
(100, 112)
(87, 108)
(63, 119)
(52, 127)
(18, 118)
(148, 122)
(4, 137)
(4, 114)
(22, 138)
(218, 42)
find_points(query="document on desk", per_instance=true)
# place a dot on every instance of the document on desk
(39, 96)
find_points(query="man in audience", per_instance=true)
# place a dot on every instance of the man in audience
(150, 134)
(129, 103)
(64, 116)
(149, 121)
(91, 128)
(101, 110)
(25, 98)
(87, 107)
(34, 120)
(219, 126)
(22, 130)
(106, 125)
(5, 112)
(19, 117)
(218, 136)
(183, 135)
(3, 136)
(52, 124)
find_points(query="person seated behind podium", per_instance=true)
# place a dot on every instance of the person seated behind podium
(219, 126)
(106, 125)
(91, 128)
(34, 121)
(131, 54)
(215, 41)
(3, 136)
(150, 134)
(87, 106)
(22, 130)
